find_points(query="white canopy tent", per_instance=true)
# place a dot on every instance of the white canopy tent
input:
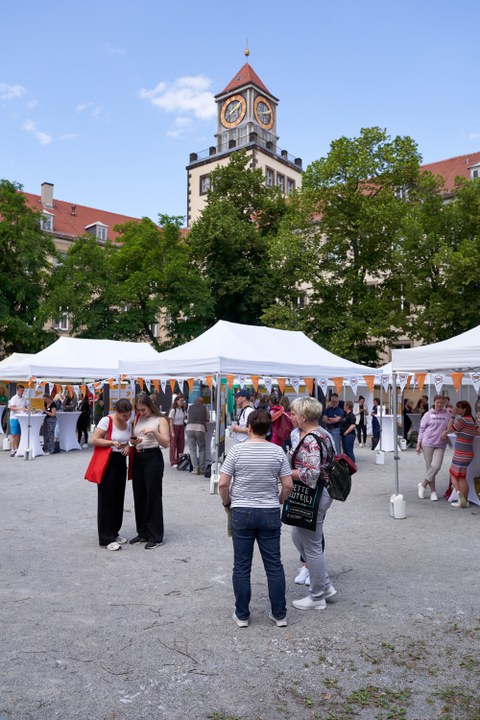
(458, 354)
(228, 348)
(69, 358)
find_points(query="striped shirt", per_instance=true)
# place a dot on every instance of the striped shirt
(255, 468)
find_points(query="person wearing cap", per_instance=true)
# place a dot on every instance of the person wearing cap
(244, 406)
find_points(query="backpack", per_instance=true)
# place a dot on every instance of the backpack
(283, 428)
(340, 474)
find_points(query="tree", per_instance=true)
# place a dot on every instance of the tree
(229, 243)
(121, 290)
(26, 255)
(442, 251)
(351, 201)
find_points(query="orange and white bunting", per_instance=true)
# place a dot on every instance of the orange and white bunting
(420, 379)
(156, 385)
(230, 379)
(255, 379)
(281, 382)
(172, 382)
(190, 384)
(370, 381)
(457, 378)
(208, 381)
(309, 384)
(338, 382)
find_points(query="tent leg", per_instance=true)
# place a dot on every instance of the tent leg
(215, 476)
(397, 503)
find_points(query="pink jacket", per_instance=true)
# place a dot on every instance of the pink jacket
(432, 425)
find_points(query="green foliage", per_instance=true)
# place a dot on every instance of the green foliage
(120, 290)
(26, 253)
(229, 243)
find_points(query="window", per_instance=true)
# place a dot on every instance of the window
(474, 174)
(301, 297)
(281, 183)
(102, 231)
(269, 175)
(154, 329)
(46, 222)
(205, 184)
(401, 193)
(290, 186)
(61, 322)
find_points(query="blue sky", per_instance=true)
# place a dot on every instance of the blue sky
(106, 99)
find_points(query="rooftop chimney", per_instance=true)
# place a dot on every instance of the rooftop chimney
(47, 194)
(74, 210)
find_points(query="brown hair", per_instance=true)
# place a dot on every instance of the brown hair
(260, 421)
(464, 405)
(144, 399)
(123, 406)
(175, 402)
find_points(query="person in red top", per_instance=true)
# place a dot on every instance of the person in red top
(463, 424)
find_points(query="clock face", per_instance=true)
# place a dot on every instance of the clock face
(263, 112)
(233, 111)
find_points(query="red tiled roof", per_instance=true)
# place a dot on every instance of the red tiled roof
(245, 76)
(64, 223)
(452, 168)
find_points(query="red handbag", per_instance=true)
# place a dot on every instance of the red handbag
(99, 461)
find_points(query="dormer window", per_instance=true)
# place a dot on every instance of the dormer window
(99, 230)
(46, 221)
(474, 171)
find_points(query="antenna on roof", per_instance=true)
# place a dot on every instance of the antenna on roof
(246, 51)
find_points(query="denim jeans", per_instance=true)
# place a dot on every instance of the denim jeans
(347, 443)
(264, 526)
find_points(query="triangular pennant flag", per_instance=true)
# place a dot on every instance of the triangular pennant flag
(438, 382)
(242, 380)
(140, 383)
(323, 383)
(309, 384)
(156, 385)
(230, 379)
(354, 383)
(267, 381)
(111, 382)
(208, 381)
(84, 390)
(385, 380)
(476, 381)
(338, 382)
(31, 383)
(255, 379)
(163, 384)
(295, 383)
(409, 380)
(402, 380)
(457, 380)
(172, 382)
(190, 384)
(122, 378)
(281, 382)
(370, 381)
(420, 378)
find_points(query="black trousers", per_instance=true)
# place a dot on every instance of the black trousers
(361, 431)
(147, 477)
(111, 496)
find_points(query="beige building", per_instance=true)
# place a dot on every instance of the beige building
(247, 119)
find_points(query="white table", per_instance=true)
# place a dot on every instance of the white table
(67, 430)
(473, 471)
(386, 438)
(208, 441)
(36, 422)
(2, 410)
(415, 419)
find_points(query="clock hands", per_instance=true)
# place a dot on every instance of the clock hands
(231, 111)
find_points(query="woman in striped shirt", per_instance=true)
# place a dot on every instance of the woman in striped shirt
(463, 424)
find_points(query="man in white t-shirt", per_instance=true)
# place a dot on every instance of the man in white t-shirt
(16, 404)
(244, 408)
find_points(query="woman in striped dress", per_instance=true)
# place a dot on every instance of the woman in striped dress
(463, 424)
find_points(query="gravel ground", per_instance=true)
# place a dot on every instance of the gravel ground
(135, 635)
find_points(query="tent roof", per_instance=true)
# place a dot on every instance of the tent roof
(78, 358)
(15, 359)
(247, 349)
(460, 353)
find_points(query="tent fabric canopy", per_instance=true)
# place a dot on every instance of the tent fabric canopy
(248, 350)
(460, 353)
(81, 358)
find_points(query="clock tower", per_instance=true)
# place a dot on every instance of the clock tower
(246, 118)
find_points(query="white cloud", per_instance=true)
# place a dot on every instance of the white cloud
(42, 137)
(11, 92)
(185, 94)
(112, 50)
(474, 135)
(181, 127)
(94, 110)
(32, 104)
(68, 136)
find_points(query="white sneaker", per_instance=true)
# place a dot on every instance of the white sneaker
(279, 623)
(303, 575)
(421, 491)
(329, 593)
(307, 603)
(433, 496)
(113, 546)
(121, 540)
(85, 446)
(240, 623)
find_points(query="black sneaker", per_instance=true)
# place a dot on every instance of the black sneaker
(137, 539)
(151, 545)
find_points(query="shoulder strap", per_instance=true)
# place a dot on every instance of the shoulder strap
(108, 436)
(319, 443)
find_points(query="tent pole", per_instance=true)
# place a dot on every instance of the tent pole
(28, 451)
(215, 475)
(381, 412)
(396, 455)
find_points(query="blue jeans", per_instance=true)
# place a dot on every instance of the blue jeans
(348, 442)
(264, 526)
